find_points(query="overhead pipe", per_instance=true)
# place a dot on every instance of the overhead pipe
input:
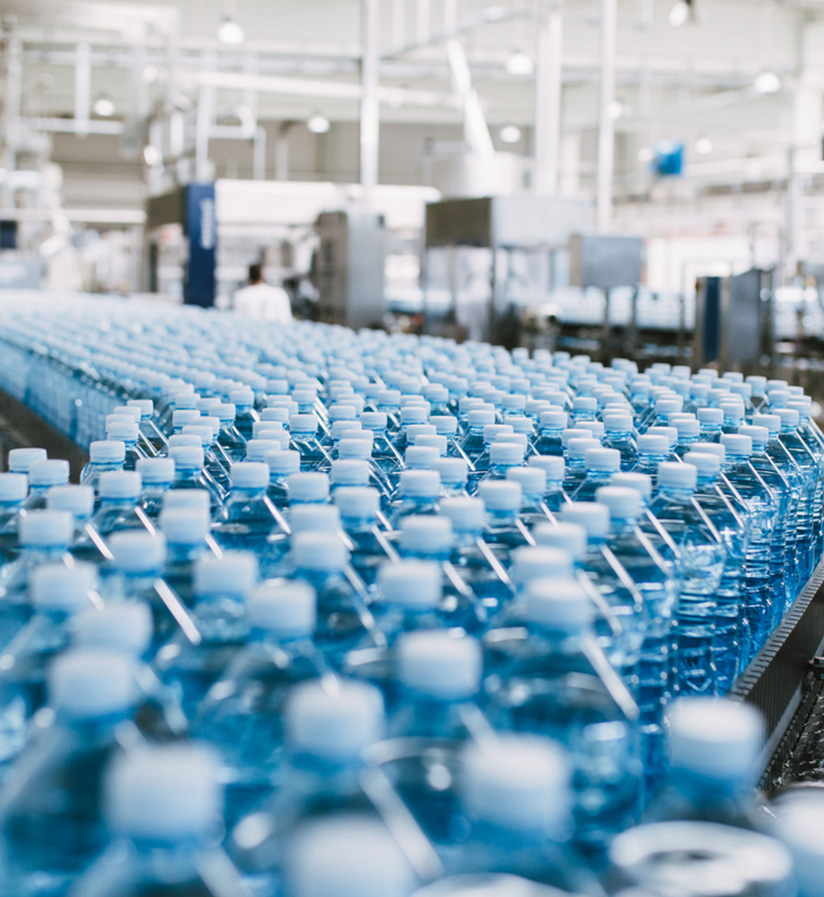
(369, 100)
(606, 123)
(548, 81)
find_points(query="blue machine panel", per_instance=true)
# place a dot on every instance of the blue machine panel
(201, 230)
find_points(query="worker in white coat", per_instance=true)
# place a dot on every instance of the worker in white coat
(262, 301)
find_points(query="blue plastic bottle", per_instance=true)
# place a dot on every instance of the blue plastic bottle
(359, 509)
(42, 476)
(14, 487)
(119, 510)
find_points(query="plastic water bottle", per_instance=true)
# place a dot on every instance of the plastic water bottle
(20, 460)
(798, 824)
(193, 659)
(762, 507)
(189, 473)
(87, 544)
(229, 436)
(343, 841)
(359, 509)
(699, 563)
(553, 679)
(418, 493)
(104, 456)
(119, 510)
(248, 520)
(58, 594)
(156, 476)
(502, 500)
(599, 466)
(304, 429)
(620, 634)
(186, 531)
(42, 476)
(50, 815)
(516, 801)
(127, 432)
(44, 538)
(163, 810)
(731, 646)
(14, 487)
(344, 620)
(618, 435)
(282, 464)
(715, 749)
(693, 858)
(242, 713)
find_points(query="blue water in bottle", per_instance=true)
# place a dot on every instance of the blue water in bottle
(42, 476)
(359, 508)
(14, 487)
(104, 455)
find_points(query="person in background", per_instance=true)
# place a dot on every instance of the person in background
(262, 301)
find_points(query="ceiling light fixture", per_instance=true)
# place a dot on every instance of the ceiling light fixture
(519, 63)
(510, 134)
(151, 155)
(680, 13)
(645, 155)
(230, 31)
(318, 123)
(103, 106)
(767, 82)
(703, 145)
(615, 110)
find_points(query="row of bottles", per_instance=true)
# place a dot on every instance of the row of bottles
(439, 599)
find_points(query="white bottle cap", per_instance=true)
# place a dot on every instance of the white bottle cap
(617, 419)
(716, 740)
(712, 448)
(432, 441)
(760, 435)
(603, 460)
(188, 439)
(584, 403)
(420, 484)
(56, 587)
(623, 502)
(186, 457)
(444, 424)
(304, 424)
(53, 472)
(481, 417)
(591, 515)
(412, 584)
(506, 453)
(126, 626)
(653, 444)
(350, 472)
(414, 414)
(531, 561)
(517, 782)
(14, 487)
(771, 421)
(501, 495)
(736, 444)
(558, 603)
(120, 484)
(640, 481)
(669, 404)
(249, 475)
(425, 534)
(145, 406)
(309, 486)
(713, 417)
(180, 419)
(319, 552)
(343, 842)
(236, 573)
(788, 416)
(283, 463)
(553, 419)
(357, 501)
(553, 465)
(107, 451)
(571, 537)
(420, 457)
(86, 683)
(137, 551)
(312, 518)
(453, 471)
(156, 471)
(285, 609)
(126, 431)
(21, 459)
(438, 665)
(46, 529)
(242, 395)
(197, 499)
(673, 475)
(334, 718)
(184, 526)
(355, 449)
(577, 448)
(707, 465)
(373, 420)
(799, 826)
(257, 449)
(465, 514)
(224, 411)
(164, 793)
(688, 428)
(574, 433)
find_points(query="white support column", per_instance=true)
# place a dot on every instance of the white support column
(369, 104)
(606, 124)
(83, 88)
(548, 72)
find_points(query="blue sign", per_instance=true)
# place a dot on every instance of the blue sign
(201, 228)
(669, 158)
